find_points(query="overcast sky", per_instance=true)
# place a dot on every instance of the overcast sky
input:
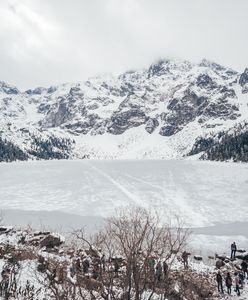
(46, 42)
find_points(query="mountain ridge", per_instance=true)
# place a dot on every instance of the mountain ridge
(158, 112)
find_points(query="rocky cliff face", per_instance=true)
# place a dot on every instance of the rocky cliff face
(158, 112)
(243, 81)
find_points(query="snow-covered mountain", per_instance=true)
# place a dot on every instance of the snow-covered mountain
(159, 112)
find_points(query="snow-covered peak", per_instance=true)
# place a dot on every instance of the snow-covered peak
(8, 89)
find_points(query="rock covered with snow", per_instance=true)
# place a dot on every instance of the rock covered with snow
(243, 256)
(198, 257)
(219, 263)
(5, 229)
(52, 240)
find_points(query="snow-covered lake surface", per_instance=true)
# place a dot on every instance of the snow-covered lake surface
(204, 193)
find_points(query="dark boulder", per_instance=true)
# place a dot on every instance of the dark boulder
(5, 229)
(52, 240)
(243, 256)
(219, 263)
(210, 257)
(41, 233)
(222, 257)
(241, 250)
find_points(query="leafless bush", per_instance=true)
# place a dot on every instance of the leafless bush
(138, 236)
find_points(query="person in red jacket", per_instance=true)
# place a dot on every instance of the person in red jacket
(237, 284)
(229, 283)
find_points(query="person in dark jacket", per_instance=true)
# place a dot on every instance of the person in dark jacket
(244, 268)
(165, 268)
(185, 259)
(86, 265)
(158, 271)
(116, 266)
(233, 250)
(219, 282)
(241, 275)
(229, 283)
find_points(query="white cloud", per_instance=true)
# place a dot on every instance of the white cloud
(45, 42)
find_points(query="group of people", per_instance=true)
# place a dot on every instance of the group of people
(239, 276)
(159, 269)
(238, 282)
(97, 265)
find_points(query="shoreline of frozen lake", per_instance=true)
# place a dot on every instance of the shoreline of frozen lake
(204, 240)
(64, 221)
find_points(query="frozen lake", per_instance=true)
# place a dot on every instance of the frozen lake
(71, 194)
(202, 192)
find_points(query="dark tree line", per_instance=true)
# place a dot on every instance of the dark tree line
(10, 152)
(51, 148)
(224, 146)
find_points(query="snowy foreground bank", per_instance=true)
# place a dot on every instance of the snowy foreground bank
(42, 265)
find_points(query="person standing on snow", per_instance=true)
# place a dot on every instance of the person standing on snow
(233, 250)
(244, 268)
(229, 283)
(241, 275)
(237, 290)
(219, 282)
(185, 259)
